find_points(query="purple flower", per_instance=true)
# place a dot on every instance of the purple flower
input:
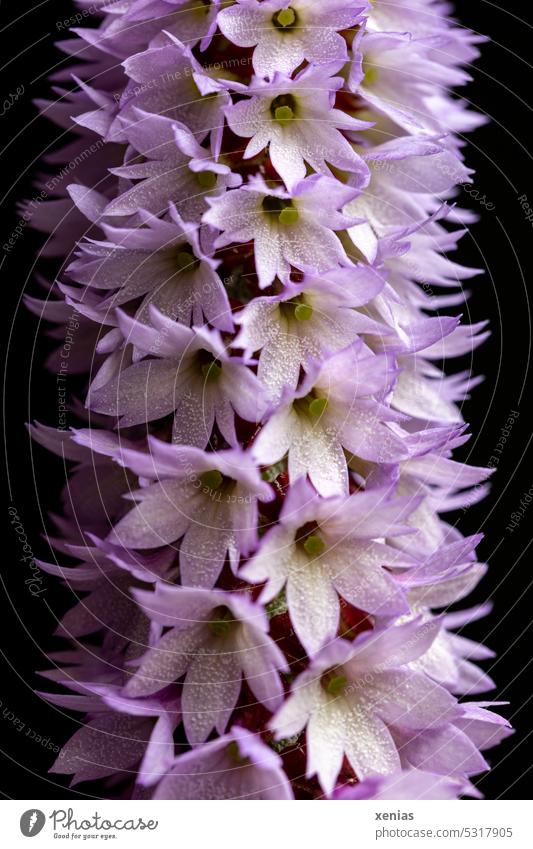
(334, 409)
(396, 75)
(193, 22)
(353, 693)
(288, 229)
(306, 322)
(163, 261)
(280, 459)
(120, 734)
(324, 548)
(295, 118)
(236, 766)
(453, 749)
(411, 784)
(167, 80)
(407, 177)
(167, 173)
(286, 32)
(215, 639)
(449, 660)
(208, 500)
(194, 378)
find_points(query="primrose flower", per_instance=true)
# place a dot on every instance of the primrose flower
(411, 784)
(335, 409)
(162, 261)
(236, 766)
(296, 118)
(121, 730)
(256, 272)
(167, 173)
(305, 322)
(327, 548)
(353, 694)
(184, 92)
(214, 639)
(194, 378)
(285, 33)
(288, 229)
(207, 499)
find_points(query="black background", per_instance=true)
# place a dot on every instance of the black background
(500, 244)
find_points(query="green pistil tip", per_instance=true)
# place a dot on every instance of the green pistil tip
(317, 406)
(283, 113)
(212, 479)
(303, 312)
(234, 754)
(289, 215)
(211, 370)
(184, 259)
(233, 751)
(207, 179)
(370, 75)
(222, 621)
(314, 545)
(335, 684)
(286, 17)
(220, 629)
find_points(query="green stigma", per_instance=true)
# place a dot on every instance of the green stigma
(207, 179)
(185, 259)
(370, 73)
(284, 18)
(317, 406)
(211, 479)
(283, 113)
(234, 754)
(283, 108)
(289, 215)
(335, 684)
(314, 545)
(221, 624)
(281, 208)
(212, 370)
(303, 312)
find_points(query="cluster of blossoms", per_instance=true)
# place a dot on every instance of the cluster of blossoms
(252, 519)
